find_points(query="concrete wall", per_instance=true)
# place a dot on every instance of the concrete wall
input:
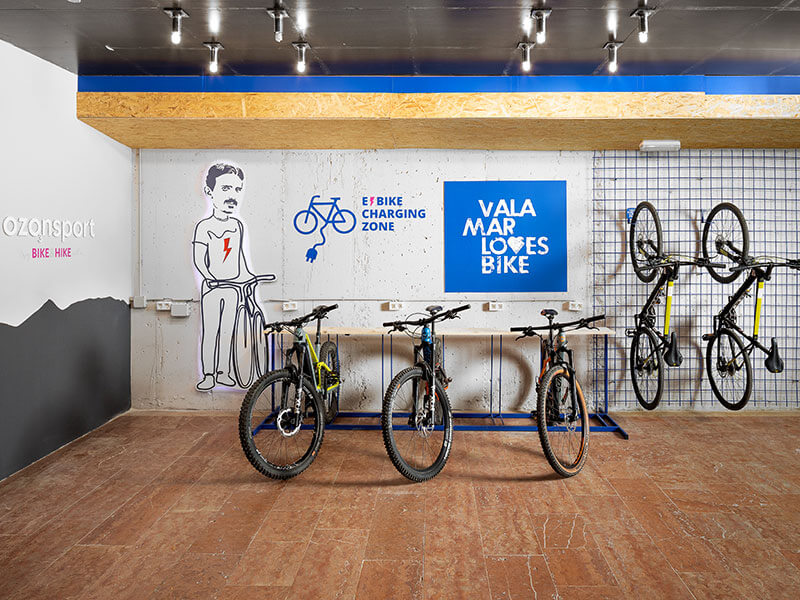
(361, 271)
(64, 325)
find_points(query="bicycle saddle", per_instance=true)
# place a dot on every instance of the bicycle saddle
(433, 309)
(549, 312)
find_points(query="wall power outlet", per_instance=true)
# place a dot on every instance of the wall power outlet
(164, 305)
(575, 306)
(396, 305)
(496, 306)
(289, 306)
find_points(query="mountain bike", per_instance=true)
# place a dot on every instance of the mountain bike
(728, 363)
(416, 417)
(561, 415)
(249, 347)
(282, 420)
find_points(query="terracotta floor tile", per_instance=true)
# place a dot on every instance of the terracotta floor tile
(660, 520)
(397, 528)
(607, 512)
(693, 500)
(601, 592)
(197, 576)
(584, 566)
(463, 579)
(549, 497)
(561, 530)
(333, 558)
(519, 577)
(507, 529)
(693, 554)
(390, 580)
(215, 441)
(717, 586)
(269, 564)
(254, 592)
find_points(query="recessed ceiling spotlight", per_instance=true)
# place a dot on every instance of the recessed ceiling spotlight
(301, 20)
(109, 48)
(278, 13)
(301, 55)
(213, 22)
(74, 1)
(526, 54)
(539, 15)
(612, 48)
(643, 14)
(177, 14)
(215, 47)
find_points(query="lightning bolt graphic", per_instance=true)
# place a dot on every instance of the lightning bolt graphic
(372, 200)
(227, 248)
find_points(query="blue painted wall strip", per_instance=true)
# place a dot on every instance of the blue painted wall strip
(388, 84)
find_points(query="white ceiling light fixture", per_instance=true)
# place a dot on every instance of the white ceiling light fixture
(539, 15)
(612, 48)
(214, 20)
(302, 47)
(659, 145)
(215, 47)
(177, 14)
(278, 13)
(526, 54)
(643, 15)
(301, 20)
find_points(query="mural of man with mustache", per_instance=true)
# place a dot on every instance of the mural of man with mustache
(220, 259)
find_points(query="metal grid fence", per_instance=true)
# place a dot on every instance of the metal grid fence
(684, 186)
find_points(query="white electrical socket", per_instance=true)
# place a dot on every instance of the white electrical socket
(289, 306)
(164, 305)
(139, 302)
(180, 309)
(575, 306)
(496, 306)
(397, 305)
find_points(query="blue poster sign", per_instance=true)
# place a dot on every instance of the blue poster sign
(505, 236)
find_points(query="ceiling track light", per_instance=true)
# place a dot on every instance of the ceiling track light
(278, 13)
(539, 16)
(215, 47)
(643, 14)
(177, 14)
(302, 47)
(612, 48)
(526, 48)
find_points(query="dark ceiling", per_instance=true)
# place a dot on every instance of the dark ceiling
(380, 37)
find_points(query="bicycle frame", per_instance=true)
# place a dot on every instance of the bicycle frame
(333, 203)
(645, 319)
(726, 317)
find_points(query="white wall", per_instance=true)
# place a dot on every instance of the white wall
(57, 168)
(361, 271)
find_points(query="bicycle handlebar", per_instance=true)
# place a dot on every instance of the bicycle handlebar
(579, 324)
(792, 264)
(318, 313)
(448, 314)
(666, 261)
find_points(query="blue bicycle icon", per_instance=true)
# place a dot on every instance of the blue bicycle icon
(329, 212)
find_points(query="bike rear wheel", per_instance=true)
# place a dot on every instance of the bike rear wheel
(277, 441)
(329, 354)
(305, 222)
(647, 368)
(729, 370)
(418, 443)
(243, 359)
(645, 240)
(725, 240)
(563, 429)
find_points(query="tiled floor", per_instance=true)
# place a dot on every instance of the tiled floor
(166, 506)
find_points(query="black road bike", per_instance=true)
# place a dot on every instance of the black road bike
(651, 348)
(416, 417)
(728, 363)
(283, 415)
(561, 414)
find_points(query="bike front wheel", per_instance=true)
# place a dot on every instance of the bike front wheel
(417, 439)
(647, 368)
(277, 440)
(729, 370)
(329, 354)
(563, 427)
(645, 240)
(244, 352)
(725, 240)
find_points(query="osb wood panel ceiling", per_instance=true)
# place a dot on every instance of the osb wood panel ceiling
(518, 121)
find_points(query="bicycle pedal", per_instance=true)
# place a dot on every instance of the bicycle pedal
(630, 333)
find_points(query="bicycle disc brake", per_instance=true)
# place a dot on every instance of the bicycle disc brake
(289, 422)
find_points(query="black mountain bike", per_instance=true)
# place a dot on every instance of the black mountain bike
(728, 363)
(651, 347)
(283, 415)
(561, 414)
(416, 418)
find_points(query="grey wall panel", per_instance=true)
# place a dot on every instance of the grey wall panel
(64, 373)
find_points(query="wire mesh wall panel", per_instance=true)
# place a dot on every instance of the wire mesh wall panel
(684, 186)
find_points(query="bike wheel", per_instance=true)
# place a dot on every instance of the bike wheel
(645, 240)
(417, 442)
(729, 370)
(647, 368)
(242, 350)
(329, 354)
(305, 222)
(344, 221)
(277, 441)
(563, 430)
(260, 345)
(725, 240)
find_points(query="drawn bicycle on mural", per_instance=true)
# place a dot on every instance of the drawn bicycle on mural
(330, 213)
(249, 351)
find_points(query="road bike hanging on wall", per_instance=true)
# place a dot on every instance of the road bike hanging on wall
(283, 416)
(562, 418)
(730, 373)
(651, 348)
(416, 417)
